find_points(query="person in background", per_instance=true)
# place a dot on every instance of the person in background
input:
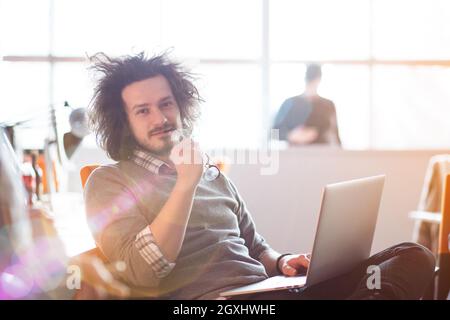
(308, 118)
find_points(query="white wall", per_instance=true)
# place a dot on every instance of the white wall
(285, 205)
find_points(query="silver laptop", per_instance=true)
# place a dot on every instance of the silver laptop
(344, 234)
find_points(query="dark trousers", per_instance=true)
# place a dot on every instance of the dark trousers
(406, 270)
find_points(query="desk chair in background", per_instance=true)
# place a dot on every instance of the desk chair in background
(428, 217)
(442, 222)
(443, 281)
(431, 228)
(86, 171)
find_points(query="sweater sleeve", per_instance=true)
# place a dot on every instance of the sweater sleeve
(120, 230)
(255, 243)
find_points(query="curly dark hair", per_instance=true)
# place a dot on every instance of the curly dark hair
(107, 114)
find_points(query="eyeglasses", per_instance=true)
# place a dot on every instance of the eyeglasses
(212, 172)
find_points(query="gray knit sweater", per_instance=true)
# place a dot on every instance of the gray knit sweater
(221, 246)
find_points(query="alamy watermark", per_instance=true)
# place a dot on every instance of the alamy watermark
(267, 156)
(374, 280)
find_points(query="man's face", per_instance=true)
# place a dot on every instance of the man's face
(153, 114)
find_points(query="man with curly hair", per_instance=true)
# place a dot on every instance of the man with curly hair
(182, 236)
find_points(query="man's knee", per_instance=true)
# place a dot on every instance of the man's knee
(418, 254)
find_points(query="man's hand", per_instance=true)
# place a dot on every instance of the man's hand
(188, 161)
(302, 135)
(295, 264)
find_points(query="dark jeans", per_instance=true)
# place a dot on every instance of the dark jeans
(406, 270)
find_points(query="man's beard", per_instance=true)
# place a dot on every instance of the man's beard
(162, 151)
(167, 143)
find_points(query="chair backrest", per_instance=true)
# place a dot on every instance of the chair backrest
(444, 230)
(86, 171)
(443, 250)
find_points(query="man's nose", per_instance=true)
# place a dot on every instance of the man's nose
(159, 118)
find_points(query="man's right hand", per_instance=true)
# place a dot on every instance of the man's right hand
(188, 161)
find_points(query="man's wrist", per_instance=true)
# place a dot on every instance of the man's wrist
(185, 186)
(280, 261)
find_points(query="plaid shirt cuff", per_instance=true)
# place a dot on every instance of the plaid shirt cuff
(149, 250)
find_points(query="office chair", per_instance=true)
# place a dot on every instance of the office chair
(443, 259)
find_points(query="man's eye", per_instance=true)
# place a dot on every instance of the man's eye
(166, 104)
(142, 111)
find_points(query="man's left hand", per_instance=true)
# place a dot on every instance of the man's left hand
(295, 264)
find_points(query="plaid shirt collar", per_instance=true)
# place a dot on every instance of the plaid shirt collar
(148, 161)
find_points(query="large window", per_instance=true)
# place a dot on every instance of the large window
(386, 63)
